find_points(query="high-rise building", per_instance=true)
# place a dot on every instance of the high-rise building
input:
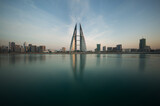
(74, 41)
(104, 48)
(98, 47)
(142, 44)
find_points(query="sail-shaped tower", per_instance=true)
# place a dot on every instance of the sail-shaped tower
(75, 42)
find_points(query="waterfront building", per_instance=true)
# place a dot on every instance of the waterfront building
(29, 47)
(142, 44)
(109, 49)
(74, 41)
(12, 46)
(104, 48)
(33, 48)
(4, 49)
(114, 49)
(22, 49)
(134, 50)
(42, 48)
(143, 47)
(147, 49)
(119, 47)
(17, 48)
(98, 47)
(126, 50)
(63, 49)
(25, 46)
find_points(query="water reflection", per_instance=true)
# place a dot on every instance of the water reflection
(78, 62)
(98, 59)
(19, 59)
(119, 61)
(142, 62)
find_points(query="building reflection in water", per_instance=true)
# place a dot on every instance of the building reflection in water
(119, 61)
(16, 59)
(142, 62)
(98, 59)
(78, 62)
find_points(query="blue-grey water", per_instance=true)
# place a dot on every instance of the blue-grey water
(79, 79)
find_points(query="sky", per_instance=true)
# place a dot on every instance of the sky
(105, 22)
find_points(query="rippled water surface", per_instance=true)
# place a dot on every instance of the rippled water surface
(92, 79)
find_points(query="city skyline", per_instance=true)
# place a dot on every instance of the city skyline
(106, 22)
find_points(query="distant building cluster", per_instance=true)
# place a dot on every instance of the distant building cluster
(30, 48)
(118, 48)
(14, 48)
(142, 48)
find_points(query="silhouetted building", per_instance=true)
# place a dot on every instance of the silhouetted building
(98, 47)
(104, 48)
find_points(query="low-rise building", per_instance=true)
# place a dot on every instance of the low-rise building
(42, 48)
(4, 49)
(104, 48)
(109, 49)
(33, 48)
(17, 48)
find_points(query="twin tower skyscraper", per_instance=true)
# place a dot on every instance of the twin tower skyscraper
(78, 40)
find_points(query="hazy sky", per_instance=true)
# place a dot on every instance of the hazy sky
(108, 22)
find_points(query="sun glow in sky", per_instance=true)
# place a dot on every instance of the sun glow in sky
(108, 22)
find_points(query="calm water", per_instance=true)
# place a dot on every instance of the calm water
(92, 79)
